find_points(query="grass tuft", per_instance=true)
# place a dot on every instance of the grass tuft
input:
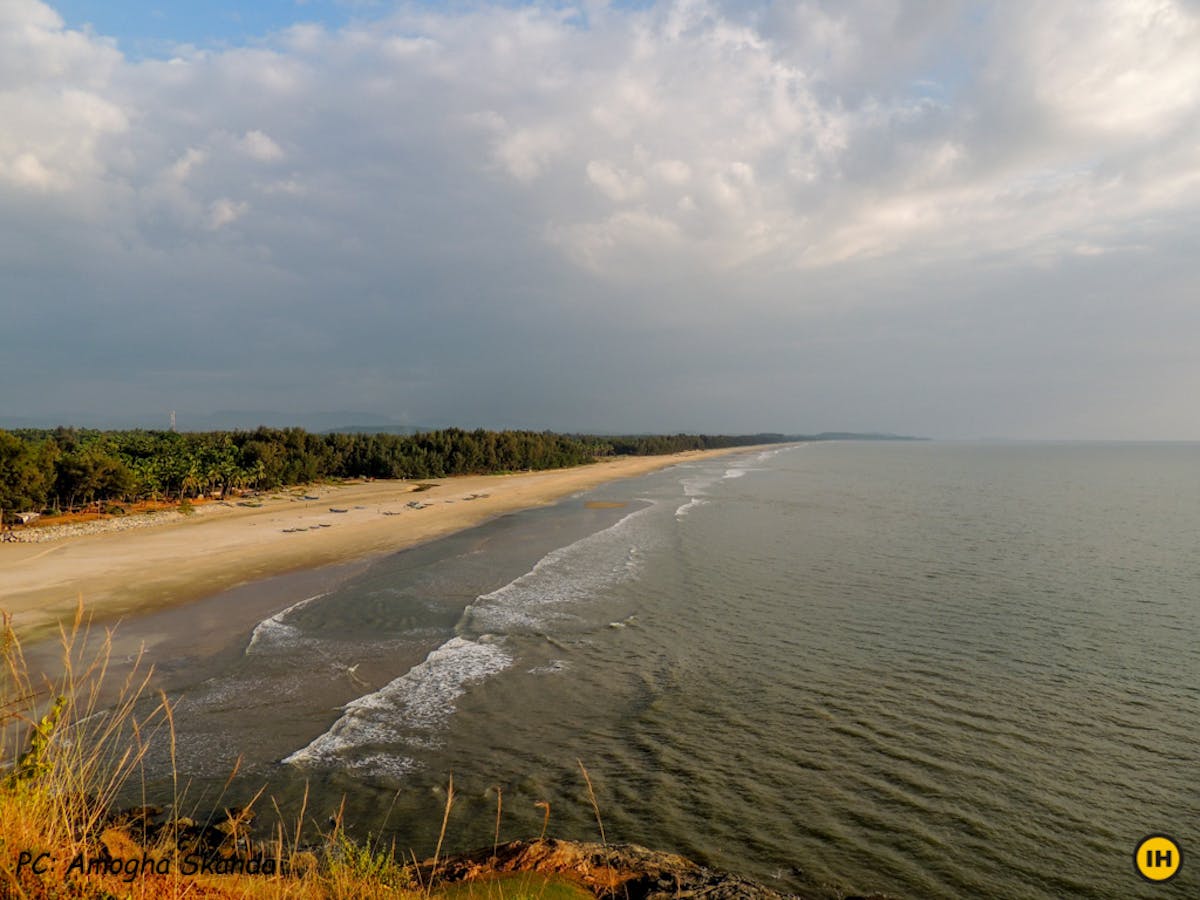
(68, 747)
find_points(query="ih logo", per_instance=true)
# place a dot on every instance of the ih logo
(1158, 858)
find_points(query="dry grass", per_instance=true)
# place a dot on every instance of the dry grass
(66, 753)
(69, 748)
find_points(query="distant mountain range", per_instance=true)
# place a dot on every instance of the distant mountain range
(857, 436)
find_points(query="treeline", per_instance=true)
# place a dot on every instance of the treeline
(68, 468)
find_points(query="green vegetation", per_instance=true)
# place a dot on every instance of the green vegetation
(68, 468)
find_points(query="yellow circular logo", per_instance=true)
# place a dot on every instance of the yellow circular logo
(1158, 858)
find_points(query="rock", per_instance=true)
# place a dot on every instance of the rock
(627, 871)
(616, 871)
(219, 837)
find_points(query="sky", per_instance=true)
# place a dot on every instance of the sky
(950, 219)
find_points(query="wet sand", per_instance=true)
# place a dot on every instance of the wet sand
(119, 574)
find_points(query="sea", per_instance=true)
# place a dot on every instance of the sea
(927, 669)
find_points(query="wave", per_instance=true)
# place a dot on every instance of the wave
(373, 730)
(698, 485)
(767, 454)
(275, 628)
(405, 710)
(689, 506)
(569, 575)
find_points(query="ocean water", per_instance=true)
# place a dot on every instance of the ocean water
(934, 670)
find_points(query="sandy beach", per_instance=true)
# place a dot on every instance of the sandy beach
(184, 558)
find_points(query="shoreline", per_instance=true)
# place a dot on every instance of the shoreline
(181, 559)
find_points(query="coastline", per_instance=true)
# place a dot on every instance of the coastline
(181, 559)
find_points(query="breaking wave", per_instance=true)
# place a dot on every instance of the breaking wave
(407, 710)
(275, 629)
(564, 577)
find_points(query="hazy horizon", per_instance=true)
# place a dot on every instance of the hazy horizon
(230, 420)
(934, 218)
(247, 420)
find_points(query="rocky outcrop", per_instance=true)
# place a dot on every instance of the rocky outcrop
(225, 835)
(624, 871)
(616, 871)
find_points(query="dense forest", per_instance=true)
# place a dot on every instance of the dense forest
(67, 468)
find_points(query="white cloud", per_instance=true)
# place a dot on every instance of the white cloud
(747, 136)
(1115, 67)
(494, 157)
(259, 146)
(27, 170)
(616, 184)
(53, 102)
(625, 241)
(674, 172)
(182, 167)
(225, 211)
(525, 152)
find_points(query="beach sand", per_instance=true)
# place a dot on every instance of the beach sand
(122, 573)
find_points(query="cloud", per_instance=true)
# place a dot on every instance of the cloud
(53, 101)
(462, 190)
(526, 152)
(616, 184)
(191, 158)
(259, 146)
(1115, 68)
(752, 136)
(224, 211)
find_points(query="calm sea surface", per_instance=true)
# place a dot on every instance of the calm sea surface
(934, 670)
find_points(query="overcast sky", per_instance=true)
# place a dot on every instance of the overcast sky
(939, 218)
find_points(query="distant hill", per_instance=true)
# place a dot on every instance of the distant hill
(857, 436)
(381, 429)
(318, 422)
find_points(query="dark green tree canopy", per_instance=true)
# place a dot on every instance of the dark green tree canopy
(66, 468)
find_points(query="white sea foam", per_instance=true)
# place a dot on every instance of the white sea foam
(275, 628)
(373, 731)
(569, 575)
(767, 454)
(689, 506)
(404, 711)
(697, 487)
